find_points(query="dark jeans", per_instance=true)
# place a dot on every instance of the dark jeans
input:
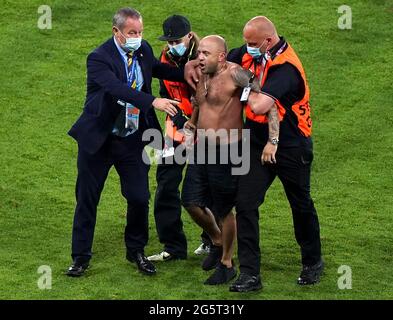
(167, 209)
(293, 168)
(125, 154)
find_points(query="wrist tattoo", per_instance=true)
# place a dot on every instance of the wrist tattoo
(274, 123)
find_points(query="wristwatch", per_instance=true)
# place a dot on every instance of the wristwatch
(273, 141)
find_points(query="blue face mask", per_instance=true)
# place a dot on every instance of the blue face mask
(178, 50)
(131, 44)
(255, 52)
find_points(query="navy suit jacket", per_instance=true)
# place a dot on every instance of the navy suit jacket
(106, 83)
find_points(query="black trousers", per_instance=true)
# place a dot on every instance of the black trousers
(125, 154)
(167, 209)
(293, 168)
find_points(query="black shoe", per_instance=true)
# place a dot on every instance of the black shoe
(246, 283)
(144, 265)
(311, 274)
(221, 275)
(213, 259)
(77, 269)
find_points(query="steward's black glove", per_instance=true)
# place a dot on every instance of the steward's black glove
(179, 119)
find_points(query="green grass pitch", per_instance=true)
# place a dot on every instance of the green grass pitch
(42, 81)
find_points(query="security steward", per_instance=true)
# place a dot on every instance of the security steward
(181, 47)
(283, 83)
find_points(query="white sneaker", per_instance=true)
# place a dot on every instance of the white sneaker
(162, 256)
(202, 249)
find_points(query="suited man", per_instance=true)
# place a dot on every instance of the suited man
(120, 69)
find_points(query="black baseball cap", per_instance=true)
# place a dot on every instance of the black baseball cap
(175, 27)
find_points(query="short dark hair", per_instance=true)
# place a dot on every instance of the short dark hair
(122, 14)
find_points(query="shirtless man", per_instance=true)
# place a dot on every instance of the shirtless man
(217, 108)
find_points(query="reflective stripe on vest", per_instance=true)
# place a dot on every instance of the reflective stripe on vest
(301, 108)
(177, 91)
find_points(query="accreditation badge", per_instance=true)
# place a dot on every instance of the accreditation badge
(132, 117)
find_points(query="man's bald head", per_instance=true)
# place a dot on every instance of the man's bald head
(216, 42)
(260, 33)
(212, 53)
(262, 25)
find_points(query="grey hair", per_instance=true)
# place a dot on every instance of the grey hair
(122, 15)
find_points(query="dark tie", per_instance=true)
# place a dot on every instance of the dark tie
(131, 73)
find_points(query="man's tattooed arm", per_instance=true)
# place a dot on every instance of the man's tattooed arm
(270, 149)
(241, 78)
(274, 123)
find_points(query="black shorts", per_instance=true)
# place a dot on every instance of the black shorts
(211, 185)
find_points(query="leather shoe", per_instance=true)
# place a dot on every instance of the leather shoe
(77, 269)
(246, 283)
(311, 274)
(143, 264)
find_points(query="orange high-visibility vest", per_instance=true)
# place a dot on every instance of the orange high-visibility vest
(177, 91)
(301, 108)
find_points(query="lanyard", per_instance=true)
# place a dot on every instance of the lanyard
(266, 59)
(262, 71)
(131, 112)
